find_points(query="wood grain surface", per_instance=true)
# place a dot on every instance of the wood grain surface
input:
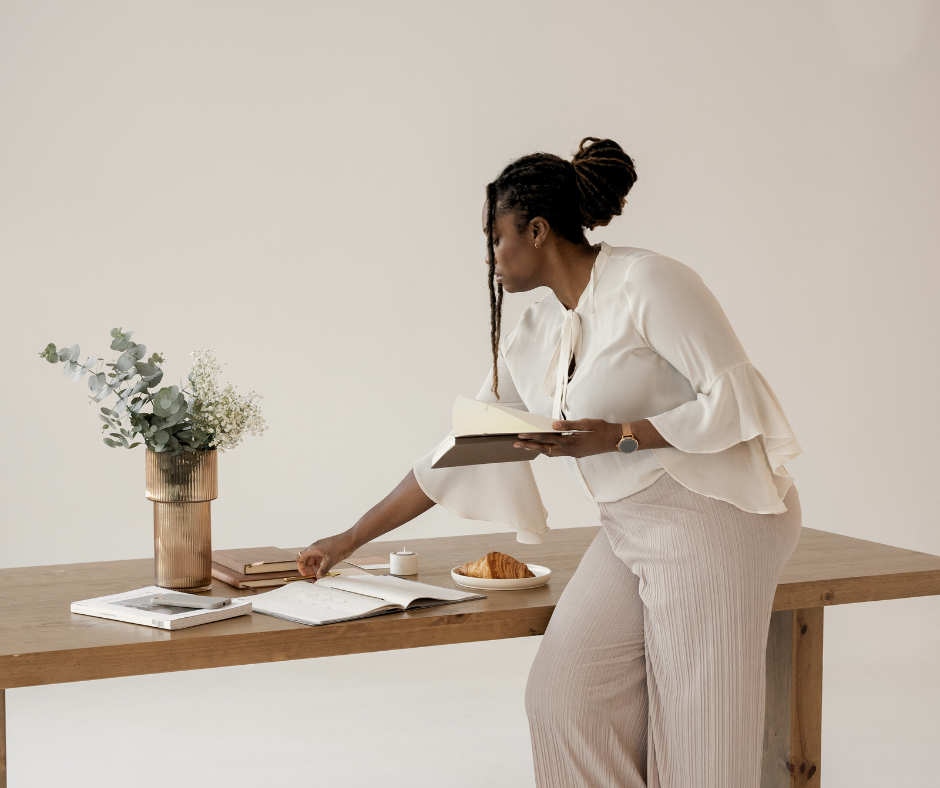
(41, 642)
(806, 698)
(3, 739)
(776, 764)
(793, 716)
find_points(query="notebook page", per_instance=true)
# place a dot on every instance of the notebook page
(472, 417)
(310, 603)
(395, 590)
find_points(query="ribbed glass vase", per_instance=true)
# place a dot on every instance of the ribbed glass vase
(181, 487)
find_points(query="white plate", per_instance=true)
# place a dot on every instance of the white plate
(542, 575)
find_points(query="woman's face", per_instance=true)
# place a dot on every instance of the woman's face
(518, 262)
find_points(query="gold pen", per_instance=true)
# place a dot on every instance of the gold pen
(310, 577)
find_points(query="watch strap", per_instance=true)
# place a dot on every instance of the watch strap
(627, 433)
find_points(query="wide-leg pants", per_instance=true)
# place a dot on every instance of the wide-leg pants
(652, 669)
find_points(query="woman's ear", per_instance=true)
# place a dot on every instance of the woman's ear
(538, 230)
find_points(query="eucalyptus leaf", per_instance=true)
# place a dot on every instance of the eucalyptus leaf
(161, 437)
(97, 382)
(110, 443)
(133, 445)
(86, 367)
(125, 361)
(105, 392)
(139, 386)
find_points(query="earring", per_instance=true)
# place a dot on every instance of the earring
(536, 246)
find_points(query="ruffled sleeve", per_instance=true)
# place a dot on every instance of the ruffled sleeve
(503, 493)
(734, 409)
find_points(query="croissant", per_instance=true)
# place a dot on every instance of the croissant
(497, 566)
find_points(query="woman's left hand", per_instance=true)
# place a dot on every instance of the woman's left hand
(594, 436)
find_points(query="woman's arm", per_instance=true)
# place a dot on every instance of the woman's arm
(595, 436)
(402, 504)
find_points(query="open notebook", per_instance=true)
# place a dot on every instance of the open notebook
(335, 599)
(484, 432)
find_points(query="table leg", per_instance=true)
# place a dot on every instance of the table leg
(793, 719)
(3, 738)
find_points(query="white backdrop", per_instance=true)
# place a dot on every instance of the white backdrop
(298, 187)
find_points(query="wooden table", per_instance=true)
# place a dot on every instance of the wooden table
(41, 642)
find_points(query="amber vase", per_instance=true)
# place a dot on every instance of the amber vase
(182, 487)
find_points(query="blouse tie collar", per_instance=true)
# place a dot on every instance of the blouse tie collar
(569, 341)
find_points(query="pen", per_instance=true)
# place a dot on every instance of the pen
(309, 577)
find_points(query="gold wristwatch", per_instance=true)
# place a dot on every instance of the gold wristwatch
(627, 444)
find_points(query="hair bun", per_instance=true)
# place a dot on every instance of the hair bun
(605, 175)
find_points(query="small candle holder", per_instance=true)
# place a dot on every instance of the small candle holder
(403, 563)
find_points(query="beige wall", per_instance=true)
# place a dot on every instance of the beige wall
(298, 187)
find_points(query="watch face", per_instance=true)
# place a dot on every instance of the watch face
(628, 445)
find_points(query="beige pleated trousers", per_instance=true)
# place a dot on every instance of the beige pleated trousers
(651, 671)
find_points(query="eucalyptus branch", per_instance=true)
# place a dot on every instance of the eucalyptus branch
(182, 418)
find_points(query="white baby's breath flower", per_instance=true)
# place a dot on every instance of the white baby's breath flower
(225, 415)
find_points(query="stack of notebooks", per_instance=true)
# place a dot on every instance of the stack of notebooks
(254, 567)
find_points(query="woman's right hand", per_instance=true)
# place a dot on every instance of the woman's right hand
(402, 504)
(323, 555)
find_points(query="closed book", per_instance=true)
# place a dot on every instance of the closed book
(241, 580)
(256, 560)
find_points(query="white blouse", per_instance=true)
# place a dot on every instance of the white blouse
(649, 341)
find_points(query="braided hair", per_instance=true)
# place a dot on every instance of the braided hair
(587, 191)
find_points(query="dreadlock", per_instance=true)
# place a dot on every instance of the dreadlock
(588, 191)
(496, 290)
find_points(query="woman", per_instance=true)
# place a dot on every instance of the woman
(651, 672)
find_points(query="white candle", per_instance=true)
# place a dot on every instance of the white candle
(403, 563)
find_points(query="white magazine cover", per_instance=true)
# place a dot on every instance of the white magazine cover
(134, 607)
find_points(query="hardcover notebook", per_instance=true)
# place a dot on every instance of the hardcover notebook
(256, 560)
(334, 599)
(484, 432)
(134, 607)
(240, 580)
(269, 579)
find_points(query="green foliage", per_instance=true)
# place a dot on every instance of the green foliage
(169, 427)
(49, 354)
